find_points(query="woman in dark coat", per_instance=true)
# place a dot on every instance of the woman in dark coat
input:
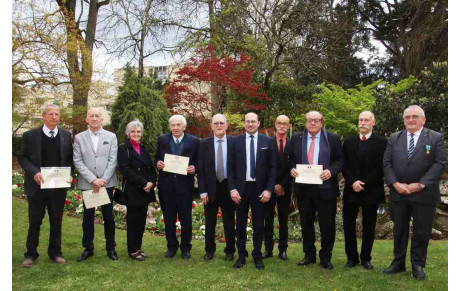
(139, 177)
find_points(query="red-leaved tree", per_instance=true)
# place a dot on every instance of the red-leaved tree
(205, 80)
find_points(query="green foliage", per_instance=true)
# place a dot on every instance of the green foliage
(235, 122)
(430, 92)
(16, 147)
(140, 99)
(341, 107)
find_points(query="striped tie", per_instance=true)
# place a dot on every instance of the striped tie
(410, 152)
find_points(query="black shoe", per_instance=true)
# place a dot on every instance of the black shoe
(259, 264)
(393, 269)
(351, 264)
(267, 254)
(306, 261)
(112, 254)
(327, 265)
(143, 254)
(85, 255)
(367, 265)
(170, 254)
(240, 262)
(186, 255)
(229, 257)
(283, 255)
(137, 256)
(418, 273)
(208, 256)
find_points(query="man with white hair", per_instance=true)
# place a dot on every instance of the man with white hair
(414, 161)
(95, 158)
(175, 190)
(363, 173)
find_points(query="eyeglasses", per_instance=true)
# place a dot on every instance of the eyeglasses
(282, 124)
(414, 117)
(250, 121)
(310, 121)
(218, 123)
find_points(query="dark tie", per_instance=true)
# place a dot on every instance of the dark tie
(176, 147)
(252, 159)
(364, 138)
(281, 147)
(410, 152)
(51, 133)
(220, 163)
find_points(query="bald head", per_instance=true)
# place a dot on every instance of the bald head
(313, 122)
(251, 123)
(282, 124)
(94, 119)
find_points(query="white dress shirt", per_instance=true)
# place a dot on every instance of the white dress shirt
(416, 136)
(95, 138)
(46, 130)
(248, 157)
(367, 135)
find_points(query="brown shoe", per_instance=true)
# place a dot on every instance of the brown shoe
(28, 262)
(59, 260)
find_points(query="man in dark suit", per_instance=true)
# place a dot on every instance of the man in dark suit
(282, 195)
(251, 178)
(46, 146)
(414, 161)
(363, 172)
(174, 190)
(316, 146)
(213, 186)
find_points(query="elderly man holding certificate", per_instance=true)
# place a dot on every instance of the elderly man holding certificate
(316, 158)
(175, 160)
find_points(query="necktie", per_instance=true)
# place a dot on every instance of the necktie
(220, 163)
(51, 133)
(364, 138)
(176, 147)
(252, 159)
(410, 152)
(177, 141)
(281, 147)
(311, 151)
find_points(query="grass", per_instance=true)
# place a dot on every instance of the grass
(159, 273)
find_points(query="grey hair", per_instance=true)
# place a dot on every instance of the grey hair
(368, 113)
(179, 117)
(50, 106)
(219, 115)
(415, 107)
(133, 124)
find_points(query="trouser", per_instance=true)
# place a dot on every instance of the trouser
(135, 224)
(309, 201)
(109, 225)
(350, 213)
(250, 198)
(282, 203)
(226, 204)
(422, 214)
(53, 200)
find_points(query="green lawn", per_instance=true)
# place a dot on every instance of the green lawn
(159, 273)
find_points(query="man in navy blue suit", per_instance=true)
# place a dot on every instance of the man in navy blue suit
(251, 178)
(176, 191)
(213, 185)
(316, 146)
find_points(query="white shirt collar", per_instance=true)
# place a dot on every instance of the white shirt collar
(97, 133)
(367, 135)
(316, 135)
(249, 135)
(46, 130)
(416, 134)
(180, 138)
(224, 138)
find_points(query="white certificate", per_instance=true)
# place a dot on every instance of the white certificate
(309, 174)
(176, 164)
(55, 177)
(92, 199)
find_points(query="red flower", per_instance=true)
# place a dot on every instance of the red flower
(177, 220)
(204, 214)
(278, 226)
(67, 202)
(219, 214)
(162, 220)
(223, 239)
(19, 185)
(75, 181)
(153, 228)
(193, 205)
(78, 197)
(234, 220)
(74, 195)
(178, 231)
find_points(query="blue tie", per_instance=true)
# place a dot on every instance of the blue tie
(252, 159)
(410, 153)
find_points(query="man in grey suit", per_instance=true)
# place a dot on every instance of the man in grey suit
(95, 157)
(413, 163)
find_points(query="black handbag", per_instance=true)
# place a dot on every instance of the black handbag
(119, 196)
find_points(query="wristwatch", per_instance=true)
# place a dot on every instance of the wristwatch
(423, 186)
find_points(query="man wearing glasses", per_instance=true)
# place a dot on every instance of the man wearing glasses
(282, 195)
(316, 146)
(213, 186)
(413, 163)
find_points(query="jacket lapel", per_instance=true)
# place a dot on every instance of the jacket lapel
(62, 145)
(421, 140)
(38, 138)
(87, 136)
(101, 139)
(213, 156)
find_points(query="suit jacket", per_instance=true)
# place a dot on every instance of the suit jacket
(330, 156)
(425, 166)
(265, 164)
(170, 182)
(137, 171)
(30, 156)
(283, 167)
(92, 164)
(363, 161)
(206, 171)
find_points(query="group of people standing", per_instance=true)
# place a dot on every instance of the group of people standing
(235, 174)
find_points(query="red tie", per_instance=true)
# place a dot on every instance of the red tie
(311, 151)
(364, 138)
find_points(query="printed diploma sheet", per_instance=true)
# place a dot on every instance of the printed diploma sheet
(55, 177)
(309, 174)
(92, 199)
(176, 164)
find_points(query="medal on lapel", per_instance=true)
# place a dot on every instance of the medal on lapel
(428, 147)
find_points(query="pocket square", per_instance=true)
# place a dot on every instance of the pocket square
(105, 142)
(264, 148)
